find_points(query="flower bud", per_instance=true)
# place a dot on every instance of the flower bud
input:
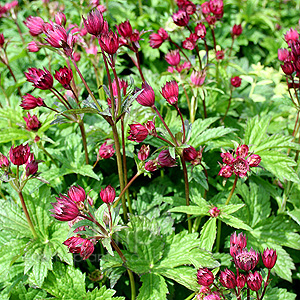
(137, 132)
(170, 92)
(41, 79)
(246, 260)
(269, 258)
(94, 23)
(189, 154)
(236, 30)
(144, 152)
(181, 18)
(77, 193)
(254, 160)
(64, 209)
(205, 277)
(240, 281)
(214, 212)
(242, 151)
(32, 122)
(227, 279)
(33, 47)
(197, 78)
(125, 29)
(156, 39)
(108, 194)
(236, 81)
(173, 57)
(64, 76)
(109, 42)
(151, 165)
(35, 25)
(60, 19)
(147, 96)
(226, 171)
(254, 281)
(283, 54)
(2, 40)
(30, 102)
(200, 30)
(106, 150)
(288, 68)
(4, 162)
(165, 159)
(19, 155)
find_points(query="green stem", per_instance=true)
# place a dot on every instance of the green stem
(266, 284)
(187, 190)
(120, 168)
(191, 296)
(182, 121)
(132, 284)
(27, 215)
(219, 220)
(231, 46)
(204, 106)
(40, 146)
(229, 102)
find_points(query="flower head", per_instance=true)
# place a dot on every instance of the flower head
(19, 155)
(30, 102)
(236, 81)
(181, 18)
(4, 162)
(291, 36)
(35, 25)
(173, 57)
(269, 257)
(77, 193)
(214, 212)
(65, 209)
(147, 96)
(32, 166)
(32, 122)
(106, 150)
(108, 194)
(137, 132)
(197, 78)
(205, 277)
(236, 30)
(246, 260)
(237, 243)
(288, 68)
(125, 29)
(189, 153)
(151, 165)
(94, 23)
(254, 281)
(41, 79)
(166, 160)
(60, 18)
(33, 46)
(79, 245)
(283, 54)
(156, 39)
(200, 30)
(144, 152)
(64, 76)
(170, 92)
(227, 279)
(58, 37)
(109, 42)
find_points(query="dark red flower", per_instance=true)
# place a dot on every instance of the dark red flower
(77, 193)
(227, 158)
(106, 150)
(240, 281)
(151, 165)
(269, 258)
(32, 167)
(226, 171)
(288, 68)
(144, 152)
(32, 122)
(236, 30)
(197, 78)
(170, 92)
(200, 30)
(109, 42)
(205, 277)
(125, 29)
(211, 19)
(35, 25)
(190, 42)
(220, 55)
(291, 36)
(30, 102)
(216, 7)
(237, 243)
(137, 132)
(181, 18)
(4, 162)
(240, 167)
(108, 194)
(64, 76)
(236, 81)
(19, 155)
(214, 212)
(156, 39)
(64, 209)
(227, 279)
(147, 96)
(246, 260)
(254, 281)
(189, 154)
(41, 79)
(173, 57)
(79, 245)
(94, 23)
(242, 151)
(165, 159)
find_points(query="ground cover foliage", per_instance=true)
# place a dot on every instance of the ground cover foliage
(149, 149)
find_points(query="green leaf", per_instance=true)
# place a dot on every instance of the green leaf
(191, 210)
(295, 215)
(230, 208)
(154, 287)
(276, 141)
(208, 234)
(84, 110)
(13, 134)
(275, 293)
(279, 164)
(233, 222)
(256, 130)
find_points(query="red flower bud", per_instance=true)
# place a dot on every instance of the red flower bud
(144, 152)
(246, 260)
(254, 281)
(77, 193)
(240, 281)
(189, 154)
(197, 78)
(173, 57)
(64, 76)
(227, 279)
(288, 68)
(200, 30)
(30, 102)
(60, 19)
(236, 30)
(227, 158)
(242, 151)
(4, 162)
(147, 96)
(32, 122)
(108, 194)
(137, 132)
(79, 245)
(226, 171)
(19, 155)
(236, 81)
(254, 160)
(151, 165)
(181, 18)
(41, 79)
(94, 23)
(269, 258)
(64, 209)
(170, 92)
(205, 277)
(125, 29)
(106, 150)
(109, 42)
(156, 39)
(214, 212)
(165, 159)
(35, 25)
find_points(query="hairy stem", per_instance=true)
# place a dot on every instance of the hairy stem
(132, 284)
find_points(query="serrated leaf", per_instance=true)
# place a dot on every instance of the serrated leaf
(106, 244)
(295, 215)
(154, 287)
(275, 293)
(191, 210)
(84, 110)
(208, 234)
(275, 141)
(230, 208)
(234, 222)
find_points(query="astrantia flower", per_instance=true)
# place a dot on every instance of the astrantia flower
(236, 30)
(151, 165)
(291, 36)
(227, 279)
(79, 245)
(197, 78)
(269, 258)
(246, 260)
(237, 243)
(4, 162)
(190, 42)
(156, 39)
(147, 96)
(236, 81)
(41, 79)
(106, 150)
(35, 25)
(77, 193)
(200, 30)
(109, 42)
(94, 23)
(32, 122)
(283, 54)
(205, 277)
(30, 102)
(137, 132)
(181, 18)
(33, 46)
(170, 92)
(64, 76)
(144, 152)
(108, 194)
(19, 155)
(254, 281)
(165, 159)
(173, 57)
(125, 29)
(214, 212)
(60, 18)
(65, 209)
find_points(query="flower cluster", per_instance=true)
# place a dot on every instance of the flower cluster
(245, 279)
(238, 163)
